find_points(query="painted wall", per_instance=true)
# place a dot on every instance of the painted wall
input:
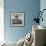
(1, 21)
(43, 6)
(29, 7)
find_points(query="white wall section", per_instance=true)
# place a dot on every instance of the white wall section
(1, 20)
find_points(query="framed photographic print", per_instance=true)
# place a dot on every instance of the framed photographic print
(17, 19)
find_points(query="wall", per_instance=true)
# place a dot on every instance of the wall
(29, 7)
(43, 6)
(1, 21)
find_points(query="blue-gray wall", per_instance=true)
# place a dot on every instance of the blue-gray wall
(29, 7)
(43, 6)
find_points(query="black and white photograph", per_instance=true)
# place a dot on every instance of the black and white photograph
(17, 19)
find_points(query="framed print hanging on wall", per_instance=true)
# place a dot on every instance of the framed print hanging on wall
(16, 19)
